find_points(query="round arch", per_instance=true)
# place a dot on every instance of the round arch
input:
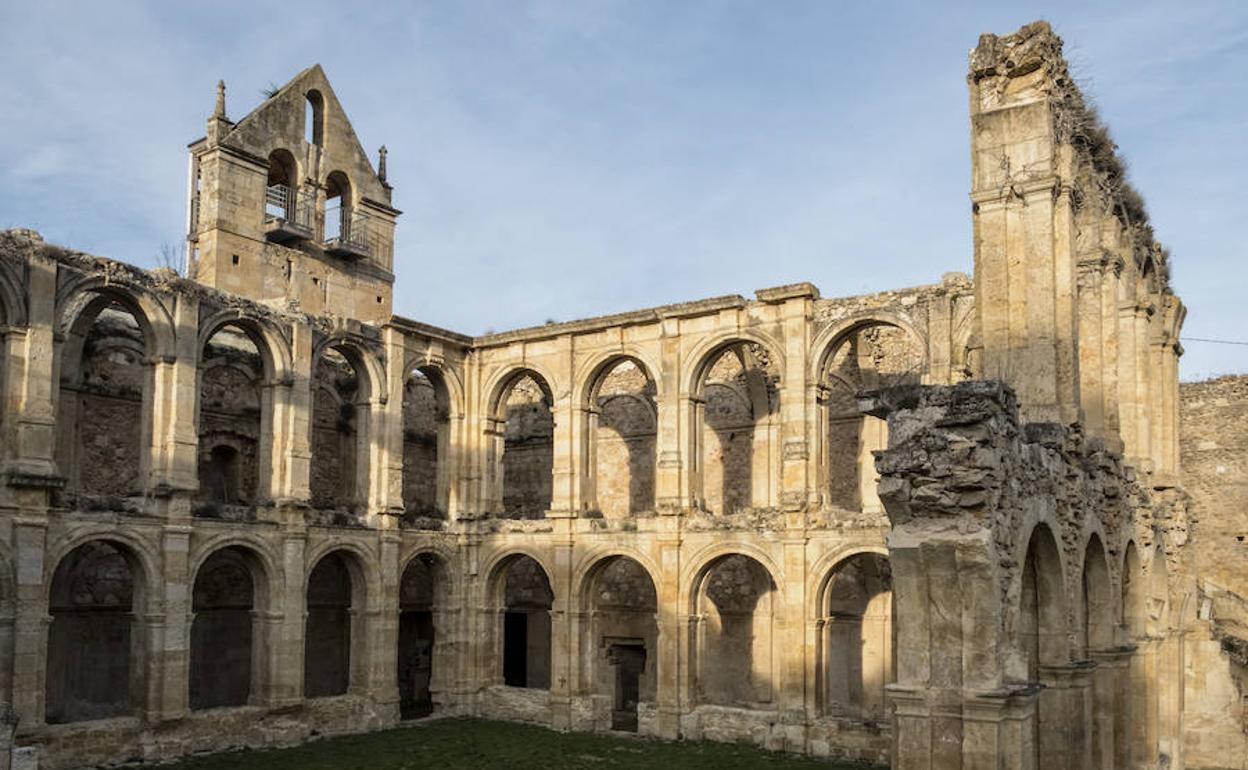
(498, 385)
(591, 373)
(833, 336)
(448, 375)
(587, 570)
(362, 360)
(701, 562)
(269, 340)
(706, 352)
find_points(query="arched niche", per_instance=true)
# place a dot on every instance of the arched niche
(857, 655)
(235, 422)
(621, 437)
(619, 649)
(104, 399)
(95, 651)
(734, 656)
(425, 652)
(1044, 641)
(521, 598)
(736, 407)
(334, 626)
(227, 662)
(868, 356)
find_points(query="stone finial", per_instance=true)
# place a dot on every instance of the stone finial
(381, 163)
(219, 112)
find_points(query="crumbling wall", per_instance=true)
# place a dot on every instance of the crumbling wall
(528, 454)
(1214, 444)
(624, 442)
(741, 392)
(421, 419)
(229, 421)
(109, 407)
(966, 485)
(335, 385)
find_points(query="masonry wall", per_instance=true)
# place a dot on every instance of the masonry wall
(1214, 443)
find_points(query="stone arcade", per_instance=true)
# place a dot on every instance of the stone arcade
(942, 527)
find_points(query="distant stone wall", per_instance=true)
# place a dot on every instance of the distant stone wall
(1214, 446)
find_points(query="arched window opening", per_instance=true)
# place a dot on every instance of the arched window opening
(869, 357)
(426, 446)
(526, 603)
(287, 212)
(338, 408)
(327, 638)
(93, 648)
(337, 206)
(314, 118)
(857, 655)
(735, 663)
(620, 660)
(737, 435)
(424, 655)
(223, 602)
(623, 431)
(528, 448)
(231, 423)
(100, 412)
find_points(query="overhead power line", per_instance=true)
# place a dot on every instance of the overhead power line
(1216, 342)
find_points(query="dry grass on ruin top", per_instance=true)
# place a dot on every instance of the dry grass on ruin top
(470, 743)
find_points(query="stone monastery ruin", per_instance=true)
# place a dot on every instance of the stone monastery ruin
(974, 524)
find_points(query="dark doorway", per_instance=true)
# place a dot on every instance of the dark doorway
(415, 663)
(515, 649)
(629, 660)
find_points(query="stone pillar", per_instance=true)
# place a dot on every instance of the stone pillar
(1065, 716)
(388, 470)
(166, 624)
(31, 621)
(797, 405)
(174, 440)
(671, 439)
(1023, 173)
(563, 643)
(31, 374)
(293, 423)
(566, 467)
(668, 655)
(383, 625)
(287, 676)
(1110, 709)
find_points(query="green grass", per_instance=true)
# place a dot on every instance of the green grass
(447, 744)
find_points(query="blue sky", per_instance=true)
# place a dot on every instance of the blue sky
(557, 160)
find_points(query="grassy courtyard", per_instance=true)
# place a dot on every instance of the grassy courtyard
(448, 744)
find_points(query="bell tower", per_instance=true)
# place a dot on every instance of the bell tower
(285, 207)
